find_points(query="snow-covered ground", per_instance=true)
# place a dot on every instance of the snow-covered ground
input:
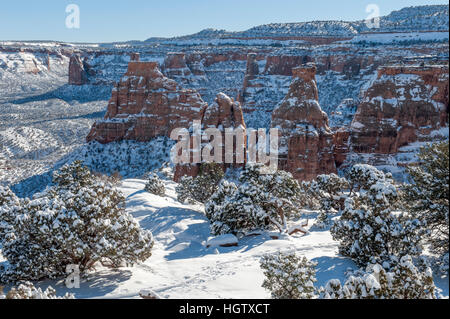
(182, 267)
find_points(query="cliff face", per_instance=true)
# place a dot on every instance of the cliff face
(402, 104)
(146, 104)
(175, 65)
(78, 71)
(306, 141)
(224, 113)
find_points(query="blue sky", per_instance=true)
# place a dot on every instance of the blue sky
(107, 20)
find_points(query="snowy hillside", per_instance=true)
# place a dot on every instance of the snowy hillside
(183, 267)
(420, 18)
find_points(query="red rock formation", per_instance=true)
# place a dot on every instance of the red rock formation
(135, 57)
(252, 70)
(146, 104)
(306, 141)
(175, 65)
(224, 113)
(283, 64)
(194, 62)
(77, 72)
(402, 104)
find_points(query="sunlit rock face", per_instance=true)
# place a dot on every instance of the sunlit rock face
(146, 104)
(403, 104)
(306, 141)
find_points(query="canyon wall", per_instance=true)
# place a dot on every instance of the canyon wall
(146, 104)
(306, 141)
(402, 104)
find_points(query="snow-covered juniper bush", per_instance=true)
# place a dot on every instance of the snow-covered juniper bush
(288, 276)
(9, 205)
(81, 220)
(329, 191)
(27, 290)
(155, 185)
(368, 229)
(260, 201)
(203, 186)
(403, 281)
(427, 197)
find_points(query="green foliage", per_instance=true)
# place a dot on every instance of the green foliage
(427, 197)
(27, 290)
(80, 221)
(403, 281)
(368, 229)
(329, 191)
(9, 205)
(155, 185)
(202, 187)
(288, 276)
(261, 201)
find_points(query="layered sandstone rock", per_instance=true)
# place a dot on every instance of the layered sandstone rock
(224, 113)
(194, 62)
(78, 71)
(252, 70)
(403, 104)
(283, 64)
(146, 104)
(306, 141)
(175, 65)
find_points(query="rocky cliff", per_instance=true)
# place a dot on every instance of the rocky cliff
(79, 70)
(224, 113)
(146, 104)
(402, 104)
(306, 141)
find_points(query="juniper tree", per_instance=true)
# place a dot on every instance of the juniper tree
(403, 280)
(9, 205)
(368, 229)
(329, 190)
(155, 185)
(261, 201)
(27, 290)
(203, 186)
(427, 197)
(81, 220)
(288, 276)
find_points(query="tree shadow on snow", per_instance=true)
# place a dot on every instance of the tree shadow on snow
(70, 93)
(332, 268)
(96, 285)
(188, 237)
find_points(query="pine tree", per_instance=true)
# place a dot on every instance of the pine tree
(81, 220)
(288, 276)
(427, 197)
